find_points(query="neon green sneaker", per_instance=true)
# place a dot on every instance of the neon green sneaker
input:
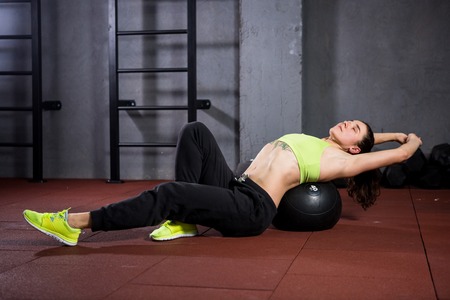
(171, 230)
(54, 225)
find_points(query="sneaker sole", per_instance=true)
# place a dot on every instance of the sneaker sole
(177, 236)
(50, 233)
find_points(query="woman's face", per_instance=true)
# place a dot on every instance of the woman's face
(349, 134)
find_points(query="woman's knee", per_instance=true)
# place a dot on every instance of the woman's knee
(194, 126)
(195, 131)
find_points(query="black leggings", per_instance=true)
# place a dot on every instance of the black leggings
(205, 192)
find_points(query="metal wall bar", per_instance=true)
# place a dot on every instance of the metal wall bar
(37, 90)
(192, 59)
(113, 94)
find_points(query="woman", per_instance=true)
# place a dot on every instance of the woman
(206, 192)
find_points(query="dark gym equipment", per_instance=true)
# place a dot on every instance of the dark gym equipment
(431, 177)
(415, 167)
(394, 176)
(309, 207)
(398, 175)
(418, 171)
(416, 162)
(437, 172)
(440, 155)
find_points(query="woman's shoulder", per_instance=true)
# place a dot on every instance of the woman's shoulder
(333, 163)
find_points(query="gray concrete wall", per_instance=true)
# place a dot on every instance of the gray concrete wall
(383, 61)
(271, 72)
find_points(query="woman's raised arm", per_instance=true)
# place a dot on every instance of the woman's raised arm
(390, 137)
(359, 163)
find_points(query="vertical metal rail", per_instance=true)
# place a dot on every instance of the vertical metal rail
(192, 59)
(113, 94)
(37, 90)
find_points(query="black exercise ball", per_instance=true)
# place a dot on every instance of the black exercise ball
(309, 207)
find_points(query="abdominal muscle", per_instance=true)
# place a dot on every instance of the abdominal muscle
(275, 169)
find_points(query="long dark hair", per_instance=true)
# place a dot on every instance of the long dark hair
(364, 188)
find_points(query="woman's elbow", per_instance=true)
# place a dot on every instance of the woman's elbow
(403, 155)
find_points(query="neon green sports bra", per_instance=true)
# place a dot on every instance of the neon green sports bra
(308, 151)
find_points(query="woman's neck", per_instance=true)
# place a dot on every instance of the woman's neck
(333, 143)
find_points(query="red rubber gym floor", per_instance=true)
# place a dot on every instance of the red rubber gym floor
(399, 249)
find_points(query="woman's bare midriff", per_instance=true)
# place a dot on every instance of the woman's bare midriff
(275, 169)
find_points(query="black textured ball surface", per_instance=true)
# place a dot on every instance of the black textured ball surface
(309, 207)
